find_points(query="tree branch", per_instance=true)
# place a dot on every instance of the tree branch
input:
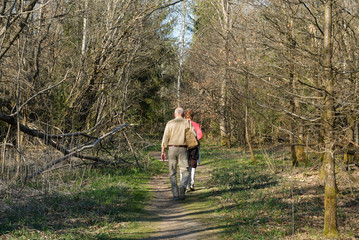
(37, 133)
(48, 140)
(311, 13)
(162, 7)
(75, 154)
(21, 26)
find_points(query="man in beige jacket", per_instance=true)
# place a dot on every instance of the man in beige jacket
(174, 140)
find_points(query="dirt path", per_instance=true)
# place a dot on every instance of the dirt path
(176, 220)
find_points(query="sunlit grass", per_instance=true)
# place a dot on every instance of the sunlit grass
(248, 202)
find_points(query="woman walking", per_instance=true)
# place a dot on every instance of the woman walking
(193, 157)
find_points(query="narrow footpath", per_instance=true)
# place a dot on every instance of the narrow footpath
(177, 221)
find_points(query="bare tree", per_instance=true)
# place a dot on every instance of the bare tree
(181, 53)
(330, 218)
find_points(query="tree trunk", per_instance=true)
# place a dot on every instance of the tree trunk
(330, 199)
(225, 137)
(3, 154)
(300, 155)
(247, 135)
(18, 99)
(356, 132)
(181, 54)
(293, 99)
(247, 104)
(84, 31)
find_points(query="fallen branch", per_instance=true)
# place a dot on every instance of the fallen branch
(75, 152)
(48, 140)
(37, 133)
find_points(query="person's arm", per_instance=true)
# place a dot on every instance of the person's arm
(198, 130)
(164, 143)
(163, 154)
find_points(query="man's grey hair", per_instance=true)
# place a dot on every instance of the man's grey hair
(179, 111)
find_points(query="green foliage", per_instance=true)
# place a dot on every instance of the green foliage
(151, 103)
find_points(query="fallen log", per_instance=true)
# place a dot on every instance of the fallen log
(48, 139)
(75, 154)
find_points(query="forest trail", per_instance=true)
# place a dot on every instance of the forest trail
(176, 221)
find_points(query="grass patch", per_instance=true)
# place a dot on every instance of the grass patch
(105, 203)
(245, 194)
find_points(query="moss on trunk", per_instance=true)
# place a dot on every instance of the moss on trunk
(301, 155)
(330, 216)
(330, 197)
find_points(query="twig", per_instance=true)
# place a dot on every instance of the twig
(21, 26)
(350, 141)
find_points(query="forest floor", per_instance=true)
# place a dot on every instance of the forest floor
(235, 198)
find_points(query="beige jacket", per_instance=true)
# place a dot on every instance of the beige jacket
(175, 132)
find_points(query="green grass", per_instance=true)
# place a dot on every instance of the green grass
(108, 205)
(249, 202)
